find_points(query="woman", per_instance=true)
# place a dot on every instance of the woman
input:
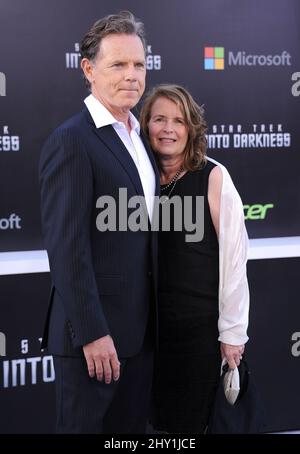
(203, 290)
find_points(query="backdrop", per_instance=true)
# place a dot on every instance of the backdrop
(241, 60)
(236, 59)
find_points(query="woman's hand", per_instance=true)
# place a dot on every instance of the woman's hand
(232, 353)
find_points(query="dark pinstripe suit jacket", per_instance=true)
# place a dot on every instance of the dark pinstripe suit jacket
(102, 281)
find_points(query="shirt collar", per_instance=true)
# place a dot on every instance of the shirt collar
(102, 116)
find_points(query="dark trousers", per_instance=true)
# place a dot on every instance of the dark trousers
(87, 406)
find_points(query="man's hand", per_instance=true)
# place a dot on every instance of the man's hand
(232, 353)
(102, 359)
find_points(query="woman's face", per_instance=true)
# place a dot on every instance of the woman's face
(168, 130)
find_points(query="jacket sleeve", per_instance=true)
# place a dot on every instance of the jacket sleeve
(66, 184)
(233, 253)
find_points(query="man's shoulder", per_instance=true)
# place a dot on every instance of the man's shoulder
(69, 131)
(73, 124)
(66, 137)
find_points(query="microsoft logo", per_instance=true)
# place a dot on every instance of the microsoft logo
(214, 58)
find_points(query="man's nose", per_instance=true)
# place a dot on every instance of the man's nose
(131, 75)
(130, 78)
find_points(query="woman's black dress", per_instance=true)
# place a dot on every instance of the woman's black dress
(188, 362)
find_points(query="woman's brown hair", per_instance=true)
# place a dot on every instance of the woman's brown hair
(195, 151)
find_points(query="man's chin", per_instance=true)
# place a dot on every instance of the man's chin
(130, 104)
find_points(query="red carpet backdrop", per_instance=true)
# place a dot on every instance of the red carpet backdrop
(241, 60)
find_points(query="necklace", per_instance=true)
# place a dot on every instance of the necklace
(174, 179)
(171, 184)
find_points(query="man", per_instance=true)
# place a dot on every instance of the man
(100, 323)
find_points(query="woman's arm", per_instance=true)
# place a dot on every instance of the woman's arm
(232, 353)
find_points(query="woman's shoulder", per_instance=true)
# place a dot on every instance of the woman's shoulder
(212, 164)
(213, 170)
(221, 178)
(219, 169)
(216, 177)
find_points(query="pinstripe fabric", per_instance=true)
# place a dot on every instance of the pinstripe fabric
(87, 406)
(101, 280)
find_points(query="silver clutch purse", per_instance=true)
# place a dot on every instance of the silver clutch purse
(231, 383)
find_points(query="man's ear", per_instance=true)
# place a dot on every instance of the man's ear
(87, 68)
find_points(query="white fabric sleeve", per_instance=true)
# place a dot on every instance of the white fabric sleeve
(233, 253)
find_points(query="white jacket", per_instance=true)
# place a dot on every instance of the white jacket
(233, 252)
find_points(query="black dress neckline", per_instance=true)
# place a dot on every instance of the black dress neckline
(177, 181)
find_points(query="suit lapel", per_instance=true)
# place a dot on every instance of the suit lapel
(110, 138)
(153, 162)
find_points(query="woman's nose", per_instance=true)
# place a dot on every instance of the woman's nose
(168, 126)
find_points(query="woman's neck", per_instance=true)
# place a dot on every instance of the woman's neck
(168, 170)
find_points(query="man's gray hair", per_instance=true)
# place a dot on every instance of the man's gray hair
(123, 22)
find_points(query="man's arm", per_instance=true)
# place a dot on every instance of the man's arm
(66, 183)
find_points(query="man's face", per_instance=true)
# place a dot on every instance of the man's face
(118, 73)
